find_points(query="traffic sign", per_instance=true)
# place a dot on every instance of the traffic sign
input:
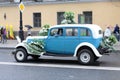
(21, 7)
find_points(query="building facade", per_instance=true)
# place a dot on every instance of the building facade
(40, 12)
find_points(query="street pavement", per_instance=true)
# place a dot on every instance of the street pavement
(9, 44)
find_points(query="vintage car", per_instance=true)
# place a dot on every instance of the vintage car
(77, 40)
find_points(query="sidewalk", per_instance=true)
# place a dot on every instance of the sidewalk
(10, 44)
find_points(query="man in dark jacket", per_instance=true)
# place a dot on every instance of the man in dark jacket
(1, 34)
(116, 31)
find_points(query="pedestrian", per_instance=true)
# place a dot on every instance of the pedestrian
(116, 32)
(29, 32)
(107, 32)
(2, 38)
(0, 35)
(4, 35)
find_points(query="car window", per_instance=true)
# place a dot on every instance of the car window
(100, 32)
(85, 32)
(56, 31)
(71, 31)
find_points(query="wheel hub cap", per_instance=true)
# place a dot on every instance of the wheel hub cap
(20, 55)
(85, 57)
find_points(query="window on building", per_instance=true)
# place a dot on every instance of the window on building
(60, 17)
(37, 19)
(81, 19)
(88, 17)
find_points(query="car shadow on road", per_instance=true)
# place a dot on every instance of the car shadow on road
(59, 61)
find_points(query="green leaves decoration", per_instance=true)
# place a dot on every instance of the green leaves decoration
(44, 30)
(36, 46)
(109, 42)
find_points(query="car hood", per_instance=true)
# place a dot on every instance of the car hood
(30, 38)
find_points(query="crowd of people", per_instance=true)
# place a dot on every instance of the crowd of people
(6, 32)
(108, 32)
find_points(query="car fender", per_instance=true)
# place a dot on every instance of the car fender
(89, 45)
(22, 45)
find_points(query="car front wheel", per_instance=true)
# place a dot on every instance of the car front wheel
(85, 57)
(20, 55)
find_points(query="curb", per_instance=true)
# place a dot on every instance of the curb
(7, 47)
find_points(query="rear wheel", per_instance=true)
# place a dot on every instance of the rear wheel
(85, 57)
(20, 55)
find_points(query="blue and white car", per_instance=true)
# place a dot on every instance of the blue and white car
(77, 40)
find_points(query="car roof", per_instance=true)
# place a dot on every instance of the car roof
(90, 26)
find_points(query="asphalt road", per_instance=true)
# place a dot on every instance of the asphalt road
(47, 68)
(47, 73)
(112, 60)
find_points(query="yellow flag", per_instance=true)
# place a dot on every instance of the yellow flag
(11, 32)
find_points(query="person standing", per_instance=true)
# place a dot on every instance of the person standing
(107, 32)
(116, 32)
(4, 35)
(2, 38)
(29, 32)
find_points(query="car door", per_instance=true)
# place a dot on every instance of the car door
(55, 41)
(71, 40)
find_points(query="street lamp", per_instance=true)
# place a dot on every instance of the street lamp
(21, 32)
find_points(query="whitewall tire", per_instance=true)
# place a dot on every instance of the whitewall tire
(20, 55)
(85, 56)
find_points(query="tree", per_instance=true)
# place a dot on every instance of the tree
(69, 18)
